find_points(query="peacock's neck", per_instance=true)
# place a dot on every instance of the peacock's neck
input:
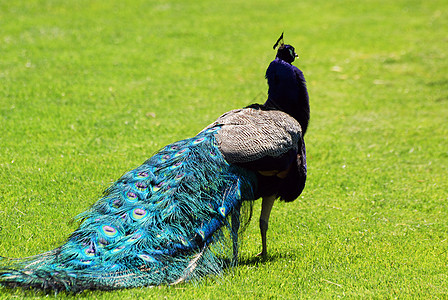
(288, 92)
(298, 110)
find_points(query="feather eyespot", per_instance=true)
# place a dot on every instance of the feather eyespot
(103, 242)
(116, 203)
(180, 152)
(109, 231)
(143, 174)
(135, 237)
(197, 141)
(213, 129)
(158, 186)
(138, 214)
(141, 186)
(222, 211)
(118, 249)
(85, 262)
(89, 251)
(147, 258)
(183, 240)
(176, 165)
(201, 233)
(131, 196)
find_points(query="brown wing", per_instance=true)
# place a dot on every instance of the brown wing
(250, 134)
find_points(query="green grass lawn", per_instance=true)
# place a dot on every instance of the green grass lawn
(90, 89)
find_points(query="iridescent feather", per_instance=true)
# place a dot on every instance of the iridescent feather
(156, 225)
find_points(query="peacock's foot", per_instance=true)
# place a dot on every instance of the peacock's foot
(262, 254)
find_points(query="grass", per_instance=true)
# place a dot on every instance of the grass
(90, 89)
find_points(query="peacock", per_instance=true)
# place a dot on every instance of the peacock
(177, 217)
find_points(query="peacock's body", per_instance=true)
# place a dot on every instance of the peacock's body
(169, 220)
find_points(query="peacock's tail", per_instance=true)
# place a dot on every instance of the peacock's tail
(162, 223)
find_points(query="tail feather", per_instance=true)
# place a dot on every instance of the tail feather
(161, 223)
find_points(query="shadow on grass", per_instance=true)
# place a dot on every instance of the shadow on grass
(17, 292)
(252, 261)
(256, 260)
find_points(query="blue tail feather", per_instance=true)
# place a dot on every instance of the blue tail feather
(154, 225)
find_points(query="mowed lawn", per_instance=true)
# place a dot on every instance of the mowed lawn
(91, 89)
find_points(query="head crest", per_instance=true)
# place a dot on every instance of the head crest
(285, 52)
(278, 41)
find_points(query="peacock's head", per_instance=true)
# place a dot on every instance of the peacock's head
(285, 52)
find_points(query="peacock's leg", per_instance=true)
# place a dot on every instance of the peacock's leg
(235, 227)
(266, 207)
